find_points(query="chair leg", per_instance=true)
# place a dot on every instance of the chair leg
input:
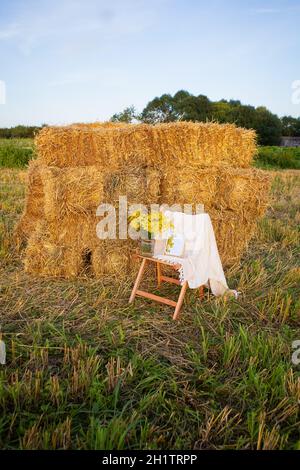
(180, 300)
(158, 272)
(138, 280)
(201, 292)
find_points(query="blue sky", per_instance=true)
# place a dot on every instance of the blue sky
(82, 60)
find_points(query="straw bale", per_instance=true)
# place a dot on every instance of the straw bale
(108, 146)
(206, 144)
(244, 189)
(70, 191)
(233, 231)
(34, 202)
(45, 257)
(176, 144)
(65, 146)
(75, 230)
(113, 258)
(189, 186)
(134, 144)
(141, 185)
(59, 247)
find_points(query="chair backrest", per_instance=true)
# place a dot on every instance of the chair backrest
(184, 235)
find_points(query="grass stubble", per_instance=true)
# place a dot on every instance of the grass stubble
(87, 371)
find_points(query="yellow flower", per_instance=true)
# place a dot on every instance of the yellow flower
(153, 223)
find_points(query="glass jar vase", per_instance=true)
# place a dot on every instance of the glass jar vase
(147, 247)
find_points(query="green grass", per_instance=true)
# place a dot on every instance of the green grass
(85, 370)
(15, 153)
(278, 158)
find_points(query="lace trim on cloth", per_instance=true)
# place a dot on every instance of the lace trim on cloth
(182, 280)
(173, 262)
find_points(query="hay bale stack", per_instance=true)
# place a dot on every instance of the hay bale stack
(82, 165)
(179, 144)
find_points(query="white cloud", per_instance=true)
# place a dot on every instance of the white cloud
(263, 11)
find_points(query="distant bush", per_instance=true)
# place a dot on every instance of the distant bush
(278, 157)
(15, 153)
(19, 132)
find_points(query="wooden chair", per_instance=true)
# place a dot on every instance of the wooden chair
(161, 278)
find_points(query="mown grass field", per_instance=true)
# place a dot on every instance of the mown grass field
(15, 153)
(87, 371)
(278, 157)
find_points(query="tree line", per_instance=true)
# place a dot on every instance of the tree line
(19, 132)
(187, 107)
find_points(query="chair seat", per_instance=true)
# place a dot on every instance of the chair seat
(160, 261)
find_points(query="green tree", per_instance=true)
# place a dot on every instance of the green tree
(19, 132)
(195, 108)
(127, 115)
(221, 111)
(181, 106)
(161, 109)
(290, 126)
(268, 127)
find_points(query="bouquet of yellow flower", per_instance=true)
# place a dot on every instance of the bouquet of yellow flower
(151, 226)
